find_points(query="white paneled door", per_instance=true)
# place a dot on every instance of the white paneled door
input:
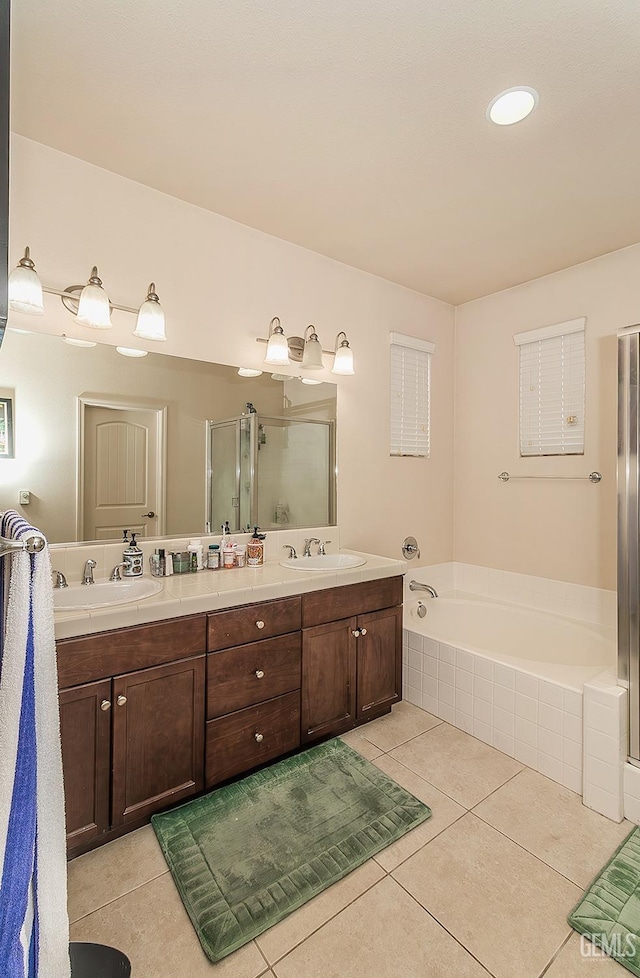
(121, 471)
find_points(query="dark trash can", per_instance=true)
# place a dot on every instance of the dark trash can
(97, 961)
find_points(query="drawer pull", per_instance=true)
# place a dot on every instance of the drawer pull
(355, 632)
(259, 737)
(121, 700)
(259, 674)
(259, 624)
(105, 705)
(363, 631)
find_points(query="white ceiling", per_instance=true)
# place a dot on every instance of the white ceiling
(357, 127)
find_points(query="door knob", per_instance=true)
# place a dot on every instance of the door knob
(105, 705)
(363, 631)
(355, 632)
(121, 700)
(259, 674)
(259, 624)
(259, 737)
(150, 515)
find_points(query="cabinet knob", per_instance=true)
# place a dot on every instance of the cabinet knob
(363, 631)
(355, 632)
(259, 737)
(259, 624)
(105, 705)
(259, 674)
(121, 700)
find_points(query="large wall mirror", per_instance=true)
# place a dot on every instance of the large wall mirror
(160, 444)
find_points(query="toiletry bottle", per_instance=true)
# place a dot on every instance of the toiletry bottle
(255, 549)
(213, 557)
(195, 547)
(168, 565)
(241, 554)
(228, 554)
(132, 558)
(154, 563)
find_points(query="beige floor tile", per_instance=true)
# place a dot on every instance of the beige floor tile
(152, 928)
(552, 822)
(101, 876)
(280, 939)
(444, 812)
(357, 740)
(464, 768)
(384, 934)
(580, 959)
(504, 905)
(404, 722)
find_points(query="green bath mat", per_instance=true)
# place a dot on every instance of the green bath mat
(608, 913)
(248, 854)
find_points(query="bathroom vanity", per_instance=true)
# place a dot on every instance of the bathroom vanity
(155, 713)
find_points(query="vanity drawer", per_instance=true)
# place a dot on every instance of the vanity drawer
(241, 677)
(232, 744)
(336, 603)
(251, 622)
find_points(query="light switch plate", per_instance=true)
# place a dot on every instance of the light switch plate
(25, 497)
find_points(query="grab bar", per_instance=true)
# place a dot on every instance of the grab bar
(594, 477)
(33, 545)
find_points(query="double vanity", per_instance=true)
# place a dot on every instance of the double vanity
(166, 698)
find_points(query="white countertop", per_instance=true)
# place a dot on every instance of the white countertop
(206, 590)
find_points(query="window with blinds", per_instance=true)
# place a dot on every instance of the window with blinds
(552, 389)
(410, 395)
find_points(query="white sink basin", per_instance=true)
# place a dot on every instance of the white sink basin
(104, 594)
(323, 562)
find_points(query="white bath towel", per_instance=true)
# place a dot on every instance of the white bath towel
(34, 926)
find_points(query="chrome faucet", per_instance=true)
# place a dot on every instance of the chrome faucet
(115, 573)
(321, 550)
(292, 551)
(87, 577)
(417, 586)
(59, 580)
(307, 546)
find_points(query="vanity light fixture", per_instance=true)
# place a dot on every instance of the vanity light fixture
(249, 372)
(312, 354)
(512, 106)
(89, 304)
(277, 354)
(128, 351)
(343, 362)
(25, 288)
(94, 309)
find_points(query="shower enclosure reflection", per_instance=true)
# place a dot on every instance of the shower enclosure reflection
(270, 472)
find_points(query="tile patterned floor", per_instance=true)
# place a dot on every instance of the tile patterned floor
(481, 889)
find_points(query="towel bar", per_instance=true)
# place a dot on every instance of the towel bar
(594, 477)
(33, 545)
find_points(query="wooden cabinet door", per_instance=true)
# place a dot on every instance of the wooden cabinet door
(85, 732)
(158, 738)
(379, 657)
(328, 679)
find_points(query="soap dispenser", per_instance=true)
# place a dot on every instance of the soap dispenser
(132, 559)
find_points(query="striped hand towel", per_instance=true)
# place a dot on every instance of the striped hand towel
(34, 926)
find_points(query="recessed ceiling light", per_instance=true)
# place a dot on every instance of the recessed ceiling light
(309, 382)
(72, 341)
(512, 106)
(249, 372)
(24, 332)
(128, 351)
(281, 377)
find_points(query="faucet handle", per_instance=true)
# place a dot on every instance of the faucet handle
(59, 580)
(321, 550)
(292, 551)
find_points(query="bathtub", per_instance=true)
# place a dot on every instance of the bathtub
(509, 675)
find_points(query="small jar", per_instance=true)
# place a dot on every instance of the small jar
(213, 557)
(229, 556)
(181, 562)
(241, 554)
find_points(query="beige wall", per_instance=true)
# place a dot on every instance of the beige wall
(220, 284)
(562, 530)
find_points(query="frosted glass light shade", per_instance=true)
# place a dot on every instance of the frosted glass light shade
(150, 324)
(93, 306)
(277, 354)
(312, 356)
(25, 291)
(343, 361)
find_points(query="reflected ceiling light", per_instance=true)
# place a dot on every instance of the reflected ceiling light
(150, 322)
(512, 106)
(128, 351)
(309, 381)
(312, 354)
(277, 354)
(249, 372)
(22, 332)
(25, 288)
(281, 377)
(72, 341)
(343, 362)
(89, 304)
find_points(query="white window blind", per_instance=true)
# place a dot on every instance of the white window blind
(410, 395)
(552, 389)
